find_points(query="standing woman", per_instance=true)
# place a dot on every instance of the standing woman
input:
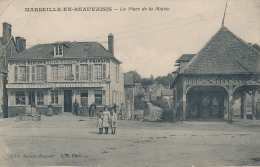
(113, 121)
(106, 117)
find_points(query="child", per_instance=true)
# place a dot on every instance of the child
(106, 116)
(113, 121)
(99, 123)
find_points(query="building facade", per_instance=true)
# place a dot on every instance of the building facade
(61, 72)
(8, 47)
(222, 75)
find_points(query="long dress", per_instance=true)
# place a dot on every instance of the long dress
(113, 120)
(106, 116)
(99, 123)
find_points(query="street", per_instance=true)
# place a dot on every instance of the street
(67, 140)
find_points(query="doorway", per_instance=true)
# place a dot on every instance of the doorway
(67, 100)
(206, 102)
(32, 98)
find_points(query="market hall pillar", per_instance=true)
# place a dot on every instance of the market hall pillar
(243, 106)
(230, 103)
(253, 105)
(184, 100)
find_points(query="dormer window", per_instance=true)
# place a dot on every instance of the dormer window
(58, 50)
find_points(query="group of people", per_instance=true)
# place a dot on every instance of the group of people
(92, 109)
(107, 119)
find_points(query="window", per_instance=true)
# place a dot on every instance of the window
(22, 73)
(20, 98)
(117, 98)
(117, 74)
(98, 97)
(68, 72)
(40, 98)
(83, 72)
(41, 73)
(113, 97)
(54, 72)
(54, 96)
(58, 50)
(121, 98)
(84, 98)
(98, 72)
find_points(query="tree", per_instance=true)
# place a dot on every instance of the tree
(146, 82)
(151, 77)
(165, 80)
(137, 77)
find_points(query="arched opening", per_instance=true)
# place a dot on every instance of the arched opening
(209, 102)
(246, 99)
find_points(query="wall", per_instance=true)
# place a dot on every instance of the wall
(116, 86)
(129, 105)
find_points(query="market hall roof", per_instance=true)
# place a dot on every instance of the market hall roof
(70, 50)
(225, 53)
(185, 58)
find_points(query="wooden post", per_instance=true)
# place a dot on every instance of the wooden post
(133, 105)
(230, 103)
(243, 106)
(258, 109)
(253, 105)
(184, 98)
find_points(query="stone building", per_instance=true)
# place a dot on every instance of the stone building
(61, 72)
(8, 47)
(224, 72)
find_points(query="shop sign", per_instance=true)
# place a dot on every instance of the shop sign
(33, 62)
(57, 85)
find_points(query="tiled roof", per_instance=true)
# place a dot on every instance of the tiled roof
(225, 53)
(128, 79)
(71, 50)
(185, 58)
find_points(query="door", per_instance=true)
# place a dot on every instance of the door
(67, 100)
(31, 98)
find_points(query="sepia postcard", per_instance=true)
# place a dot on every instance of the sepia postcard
(130, 83)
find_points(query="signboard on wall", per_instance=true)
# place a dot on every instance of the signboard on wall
(33, 62)
(57, 85)
(184, 97)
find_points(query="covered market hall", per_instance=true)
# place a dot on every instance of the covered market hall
(221, 81)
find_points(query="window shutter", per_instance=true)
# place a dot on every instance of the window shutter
(15, 73)
(117, 74)
(28, 73)
(44, 72)
(90, 72)
(103, 97)
(77, 72)
(104, 71)
(33, 73)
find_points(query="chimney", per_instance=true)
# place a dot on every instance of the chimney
(6, 32)
(20, 43)
(111, 43)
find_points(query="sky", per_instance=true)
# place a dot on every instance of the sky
(146, 40)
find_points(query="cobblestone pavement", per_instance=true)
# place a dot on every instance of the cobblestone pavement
(67, 140)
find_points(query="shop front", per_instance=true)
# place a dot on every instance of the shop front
(22, 97)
